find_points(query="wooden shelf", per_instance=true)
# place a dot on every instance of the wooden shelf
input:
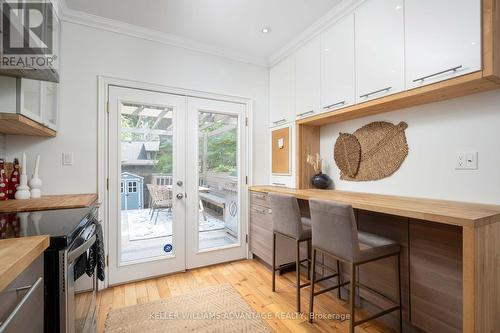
(48, 202)
(17, 124)
(460, 86)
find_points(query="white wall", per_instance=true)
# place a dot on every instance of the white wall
(436, 132)
(88, 52)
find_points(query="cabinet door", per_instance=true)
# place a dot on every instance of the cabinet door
(307, 79)
(443, 40)
(282, 92)
(29, 95)
(337, 65)
(379, 29)
(50, 104)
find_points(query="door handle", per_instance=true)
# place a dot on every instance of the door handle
(180, 196)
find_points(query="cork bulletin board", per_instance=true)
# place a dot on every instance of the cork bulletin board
(281, 151)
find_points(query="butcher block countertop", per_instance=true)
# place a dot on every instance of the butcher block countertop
(48, 202)
(16, 254)
(441, 211)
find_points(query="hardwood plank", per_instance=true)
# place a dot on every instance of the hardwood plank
(253, 281)
(130, 294)
(48, 202)
(441, 211)
(152, 288)
(163, 290)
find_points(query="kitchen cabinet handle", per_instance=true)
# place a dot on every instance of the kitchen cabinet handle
(277, 122)
(376, 92)
(279, 184)
(303, 114)
(334, 104)
(260, 196)
(453, 69)
(4, 325)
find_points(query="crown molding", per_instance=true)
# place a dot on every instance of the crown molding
(338, 12)
(78, 17)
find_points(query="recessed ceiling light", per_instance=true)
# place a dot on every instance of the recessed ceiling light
(266, 30)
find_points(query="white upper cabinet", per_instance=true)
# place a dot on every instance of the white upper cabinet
(282, 92)
(337, 65)
(379, 42)
(443, 40)
(307, 79)
(34, 99)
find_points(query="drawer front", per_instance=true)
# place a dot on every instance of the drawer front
(261, 228)
(21, 303)
(259, 198)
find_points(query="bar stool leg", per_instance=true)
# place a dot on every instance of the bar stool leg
(352, 294)
(309, 259)
(313, 277)
(274, 263)
(297, 271)
(339, 279)
(399, 294)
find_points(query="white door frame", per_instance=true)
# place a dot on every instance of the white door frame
(102, 151)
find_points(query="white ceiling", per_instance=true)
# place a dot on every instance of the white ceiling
(228, 25)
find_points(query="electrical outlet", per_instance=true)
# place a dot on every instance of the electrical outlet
(466, 161)
(67, 158)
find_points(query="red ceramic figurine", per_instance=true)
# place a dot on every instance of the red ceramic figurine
(14, 180)
(4, 181)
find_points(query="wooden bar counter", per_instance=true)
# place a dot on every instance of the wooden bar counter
(450, 254)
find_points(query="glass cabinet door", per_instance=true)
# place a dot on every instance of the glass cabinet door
(30, 95)
(50, 104)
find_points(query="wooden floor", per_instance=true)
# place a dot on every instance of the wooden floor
(253, 281)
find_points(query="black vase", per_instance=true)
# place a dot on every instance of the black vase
(321, 180)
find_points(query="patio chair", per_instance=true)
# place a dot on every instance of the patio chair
(161, 199)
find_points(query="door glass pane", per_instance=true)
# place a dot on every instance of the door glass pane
(218, 170)
(31, 94)
(50, 107)
(146, 182)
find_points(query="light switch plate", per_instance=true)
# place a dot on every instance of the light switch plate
(67, 158)
(466, 161)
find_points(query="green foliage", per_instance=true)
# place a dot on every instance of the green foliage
(163, 163)
(221, 152)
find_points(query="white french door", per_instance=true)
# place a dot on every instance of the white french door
(216, 155)
(176, 170)
(146, 140)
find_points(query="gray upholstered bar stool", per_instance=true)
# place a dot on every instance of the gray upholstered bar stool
(335, 233)
(287, 222)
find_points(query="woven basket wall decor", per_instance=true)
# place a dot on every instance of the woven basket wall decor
(381, 147)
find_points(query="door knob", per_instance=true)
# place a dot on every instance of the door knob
(179, 183)
(180, 196)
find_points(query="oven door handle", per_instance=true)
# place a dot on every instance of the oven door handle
(82, 248)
